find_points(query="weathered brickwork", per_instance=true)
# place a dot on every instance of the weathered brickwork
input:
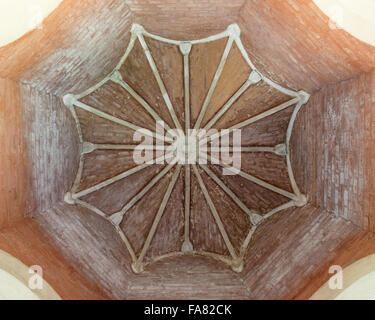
(185, 20)
(52, 148)
(77, 45)
(91, 245)
(332, 145)
(292, 42)
(291, 248)
(332, 149)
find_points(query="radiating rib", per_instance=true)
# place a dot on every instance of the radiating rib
(159, 81)
(256, 149)
(124, 147)
(117, 78)
(215, 213)
(116, 120)
(257, 117)
(266, 113)
(185, 49)
(116, 178)
(187, 243)
(116, 218)
(251, 213)
(255, 180)
(214, 82)
(159, 214)
(238, 149)
(233, 32)
(130, 47)
(226, 107)
(76, 120)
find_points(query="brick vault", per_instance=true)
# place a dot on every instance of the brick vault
(74, 201)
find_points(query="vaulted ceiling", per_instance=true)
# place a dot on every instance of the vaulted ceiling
(161, 210)
(177, 230)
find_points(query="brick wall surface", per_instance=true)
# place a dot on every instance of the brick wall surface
(292, 42)
(52, 148)
(332, 146)
(293, 247)
(332, 149)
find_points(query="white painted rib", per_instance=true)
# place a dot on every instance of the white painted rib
(159, 81)
(109, 181)
(76, 120)
(278, 209)
(286, 91)
(159, 214)
(227, 106)
(256, 180)
(93, 88)
(238, 149)
(127, 147)
(119, 215)
(288, 161)
(215, 213)
(212, 255)
(78, 178)
(114, 179)
(116, 120)
(187, 204)
(257, 117)
(90, 207)
(229, 192)
(265, 114)
(247, 241)
(214, 82)
(127, 243)
(185, 49)
(108, 77)
(138, 98)
(257, 149)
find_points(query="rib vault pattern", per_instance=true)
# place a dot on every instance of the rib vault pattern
(162, 210)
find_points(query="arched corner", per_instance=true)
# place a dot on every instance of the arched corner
(16, 275)
(357, 278)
